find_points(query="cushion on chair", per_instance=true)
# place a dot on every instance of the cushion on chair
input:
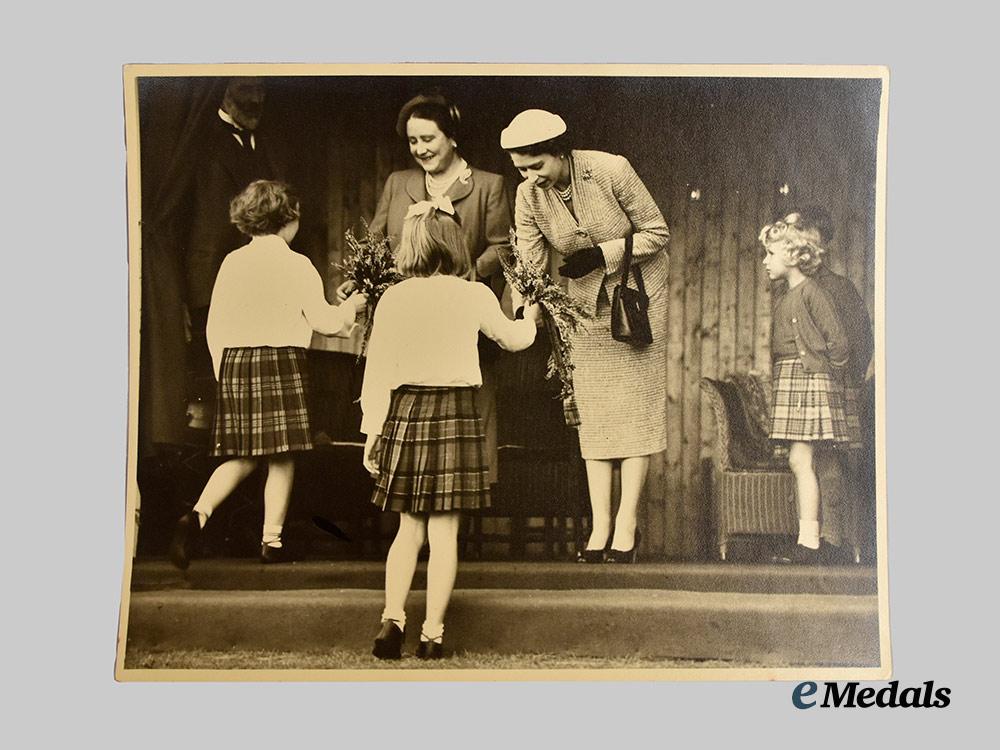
(756, 404)
(749, 447)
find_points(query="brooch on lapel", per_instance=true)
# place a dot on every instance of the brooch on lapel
(586, 174)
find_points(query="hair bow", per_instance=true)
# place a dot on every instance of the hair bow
(424, 208)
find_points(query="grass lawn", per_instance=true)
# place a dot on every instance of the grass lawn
(344, 659)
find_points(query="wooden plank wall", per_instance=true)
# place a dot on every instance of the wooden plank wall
(737, 141)
(719, 319)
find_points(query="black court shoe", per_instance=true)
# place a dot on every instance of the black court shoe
(273, 555)
(185, 539)
(625, 556)
(430, 650)
(389, 641)
(590, 555)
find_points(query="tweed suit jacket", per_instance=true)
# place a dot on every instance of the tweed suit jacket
(481, 206)
(610, 201)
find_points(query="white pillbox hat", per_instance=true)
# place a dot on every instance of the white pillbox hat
(530, 127)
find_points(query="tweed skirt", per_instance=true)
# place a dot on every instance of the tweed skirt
(811, 406)
(433, 452)
(620, 389)
(261, 402)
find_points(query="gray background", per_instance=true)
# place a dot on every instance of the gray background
(65, 312)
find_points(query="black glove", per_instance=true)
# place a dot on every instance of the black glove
(582, 262)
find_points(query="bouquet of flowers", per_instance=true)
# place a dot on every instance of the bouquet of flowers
(369, 263)
(562, 314)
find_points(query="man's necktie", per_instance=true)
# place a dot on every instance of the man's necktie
(245, 136)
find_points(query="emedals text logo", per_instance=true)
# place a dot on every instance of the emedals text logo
(852, 695)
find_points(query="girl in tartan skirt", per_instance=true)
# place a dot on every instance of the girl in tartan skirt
(266, 302)
(810, 350)
(425, 440)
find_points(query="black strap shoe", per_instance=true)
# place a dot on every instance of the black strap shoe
(389, 641)
(430, 650)
(275, 555)
(184, 542)
(799, 555)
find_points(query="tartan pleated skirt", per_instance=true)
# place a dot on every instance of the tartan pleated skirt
(261, 402)
(811, 406)
(433, 452)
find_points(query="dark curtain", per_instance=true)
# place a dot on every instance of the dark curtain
(169, 148)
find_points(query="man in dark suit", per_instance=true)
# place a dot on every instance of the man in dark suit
(232, 155)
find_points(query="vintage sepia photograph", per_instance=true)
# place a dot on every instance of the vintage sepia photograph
(505, 372)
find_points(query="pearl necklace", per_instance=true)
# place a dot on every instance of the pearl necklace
(437, 185)
(565, 195)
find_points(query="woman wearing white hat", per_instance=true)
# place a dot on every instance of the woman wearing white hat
(579, 206)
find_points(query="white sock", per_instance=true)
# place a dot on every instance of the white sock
(397, 617)
(272, 536)
(809, 534)
(202, 516)
(432, 632)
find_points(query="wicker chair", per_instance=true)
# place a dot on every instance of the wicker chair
(751, 492)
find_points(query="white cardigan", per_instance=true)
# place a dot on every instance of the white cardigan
(266, 294)
(426, 332)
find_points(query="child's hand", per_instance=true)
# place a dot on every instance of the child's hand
(358, 300)
(373, 448)
(516, 300)
(533, 313)
(344, 290)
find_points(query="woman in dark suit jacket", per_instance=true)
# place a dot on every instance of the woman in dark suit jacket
(430, 124)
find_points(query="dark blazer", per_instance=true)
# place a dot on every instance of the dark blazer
(854, 316)
(224, 168)
(480, 203)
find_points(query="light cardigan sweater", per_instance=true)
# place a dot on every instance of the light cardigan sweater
(266, 294)
(425, 332)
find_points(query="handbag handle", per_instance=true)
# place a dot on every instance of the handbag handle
(627, 266)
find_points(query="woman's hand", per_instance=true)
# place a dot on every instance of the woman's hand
(373, 450)
(582, 262)
(344, 290)
(533, 313)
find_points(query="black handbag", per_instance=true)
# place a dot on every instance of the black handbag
(630, 307)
